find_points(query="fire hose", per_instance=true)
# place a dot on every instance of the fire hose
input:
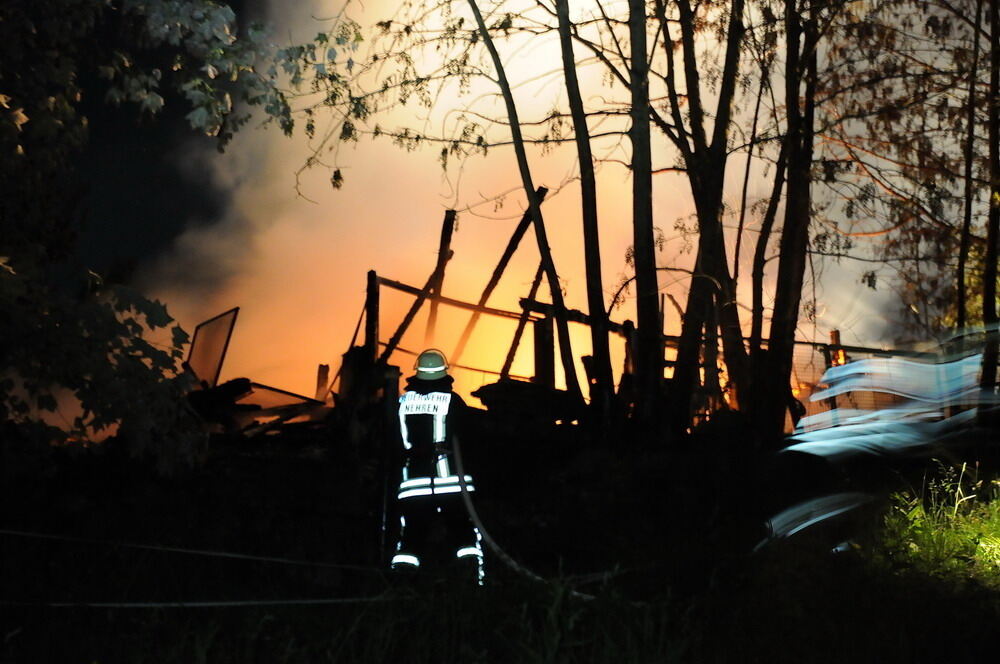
(490, 542)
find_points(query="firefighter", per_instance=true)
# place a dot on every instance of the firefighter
(435, 531)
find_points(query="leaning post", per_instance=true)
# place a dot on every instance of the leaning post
(371, 318)
(444, 254)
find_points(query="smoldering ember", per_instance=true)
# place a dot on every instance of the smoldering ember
(499, 331)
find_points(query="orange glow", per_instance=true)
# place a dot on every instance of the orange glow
(297, 266)
(298, 269)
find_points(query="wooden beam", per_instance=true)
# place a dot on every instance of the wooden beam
(572, 315)
(322, 381)
(422, 295)
(671, 340)
(545, 353)
(371, 316)
(406, 288)
(444, 254)
(508, 253)
(522, 321)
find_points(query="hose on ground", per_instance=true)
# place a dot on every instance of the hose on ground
(490, 542)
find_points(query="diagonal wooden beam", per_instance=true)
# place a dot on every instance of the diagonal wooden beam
(411, 314)
(444, 253)
(525, 314)
(508, 253)
(413, 290)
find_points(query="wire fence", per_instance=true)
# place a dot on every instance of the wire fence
(196, 552)
(810, 361)
(209, 604)
(295, 601)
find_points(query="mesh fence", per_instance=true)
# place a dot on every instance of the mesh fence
(810, 361)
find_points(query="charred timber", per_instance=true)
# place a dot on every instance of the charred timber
(444, 255)
(413, 290)
(508, 254)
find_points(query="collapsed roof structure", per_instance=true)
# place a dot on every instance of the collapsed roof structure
(365, 375)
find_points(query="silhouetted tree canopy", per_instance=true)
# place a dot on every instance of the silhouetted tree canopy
(81, 358)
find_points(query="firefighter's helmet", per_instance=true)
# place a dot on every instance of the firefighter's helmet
(431, 364)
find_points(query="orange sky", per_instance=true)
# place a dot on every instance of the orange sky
(298, 267)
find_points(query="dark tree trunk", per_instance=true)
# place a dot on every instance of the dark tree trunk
(795, 234)
(603, 385)
(730, 328)
(534, 204)
(760, 257)
(746, 175)
(705, 161)
(649, 355)
(716, 266)
(710, 284)
(990, 352)
(968, 156)
(685, 376)
(758, 357)
(712, 387)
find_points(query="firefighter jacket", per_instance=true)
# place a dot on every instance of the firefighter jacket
(429, 414)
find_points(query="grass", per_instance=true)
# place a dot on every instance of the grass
(948, 530)
(921, 585)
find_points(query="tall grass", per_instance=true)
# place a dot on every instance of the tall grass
(949, 529)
